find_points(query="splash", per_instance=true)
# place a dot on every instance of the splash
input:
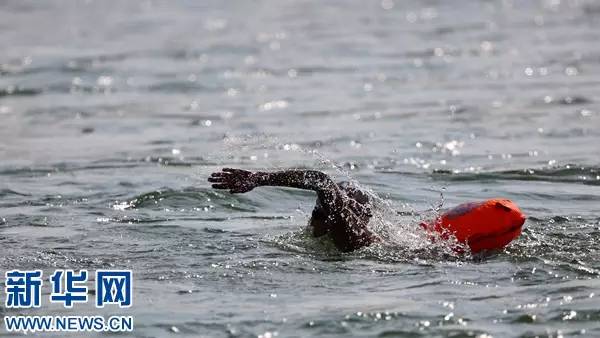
(396, 224)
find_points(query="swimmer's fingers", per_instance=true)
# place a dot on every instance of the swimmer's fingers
(217, 179)
(220, 186)
(234, 171)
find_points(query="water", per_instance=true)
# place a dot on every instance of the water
(114, 114)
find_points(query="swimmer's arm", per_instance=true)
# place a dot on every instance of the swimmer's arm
(240, 181)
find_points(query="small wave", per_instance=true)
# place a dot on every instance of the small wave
(9, 192)
(198, 198)
(572, 100)
(566, 100)
(183, 87)
(311, 70)
(19, 91)
(569, 173)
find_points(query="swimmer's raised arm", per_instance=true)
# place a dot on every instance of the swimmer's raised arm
(241, 181)
(340, 211)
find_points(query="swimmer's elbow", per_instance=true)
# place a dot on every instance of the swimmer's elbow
(317, 180)
(316, 176)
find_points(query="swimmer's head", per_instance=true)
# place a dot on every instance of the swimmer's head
(354, 193)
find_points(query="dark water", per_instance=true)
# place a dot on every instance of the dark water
(114, 113)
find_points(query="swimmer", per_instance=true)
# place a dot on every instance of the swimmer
(342, 211)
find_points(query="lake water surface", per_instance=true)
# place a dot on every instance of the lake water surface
(113, 114)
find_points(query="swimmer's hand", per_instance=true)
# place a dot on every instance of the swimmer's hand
(234, 180)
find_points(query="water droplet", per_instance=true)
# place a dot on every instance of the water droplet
(104, 81)
(387, 4)
(571, 71)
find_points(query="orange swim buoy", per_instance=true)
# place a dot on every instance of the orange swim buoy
(486, 225)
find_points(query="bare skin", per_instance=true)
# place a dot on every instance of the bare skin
(341, 211)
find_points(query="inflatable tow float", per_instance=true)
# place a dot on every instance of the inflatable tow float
(487, 225)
